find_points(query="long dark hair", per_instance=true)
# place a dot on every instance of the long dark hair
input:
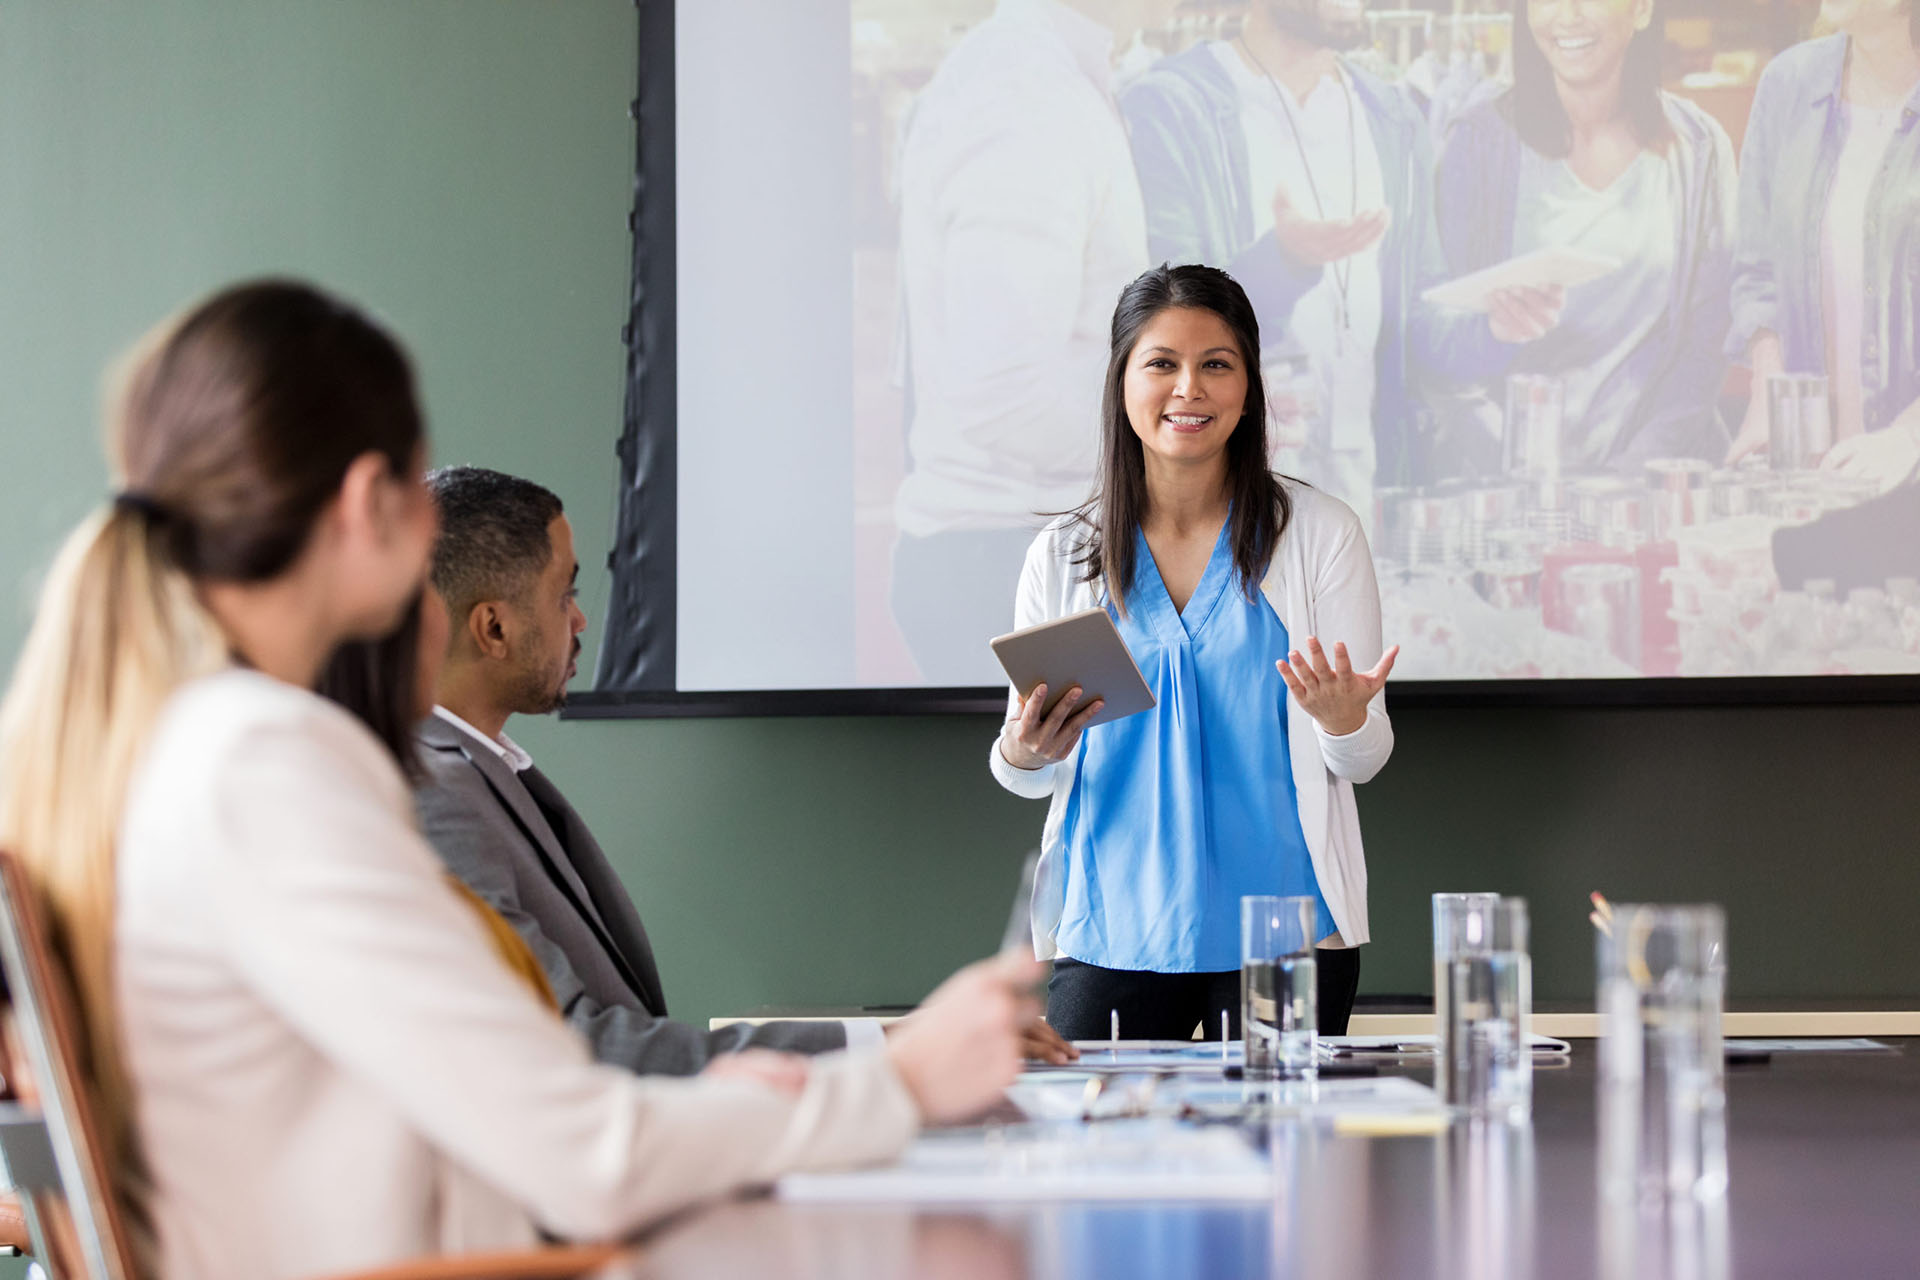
(379, 681)
(1110, 519)
(1534, 107)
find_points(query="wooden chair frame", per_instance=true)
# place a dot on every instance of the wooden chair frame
(51, 1138)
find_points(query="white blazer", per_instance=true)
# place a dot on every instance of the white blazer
(333, 1070)
(1320, 583)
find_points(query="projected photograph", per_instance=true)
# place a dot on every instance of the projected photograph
(1615, 354)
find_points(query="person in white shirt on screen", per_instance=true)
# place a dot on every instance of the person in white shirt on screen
(305, 1052)
(1020, 220)
(1278, 157)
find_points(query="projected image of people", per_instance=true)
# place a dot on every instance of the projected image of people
(1020, 220)
(1603, 316)
(1826, 299)
(1309, 177)
(1586, 152)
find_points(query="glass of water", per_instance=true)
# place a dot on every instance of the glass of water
(1799, 420)
(1279, 1003)
(1662, 988)
(1483, 1005)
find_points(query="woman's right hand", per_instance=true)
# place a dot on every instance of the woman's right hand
(1033, 741)
(961, 1048)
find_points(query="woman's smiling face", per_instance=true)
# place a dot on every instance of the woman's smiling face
(1585, 41)
(1185, 385)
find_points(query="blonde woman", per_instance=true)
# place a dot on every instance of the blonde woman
(308, 1053)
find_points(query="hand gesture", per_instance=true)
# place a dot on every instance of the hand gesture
(1316, 242)
(1031, 740)
(962, 1047)
(1333, 693)
(1889, 457)
(1287, 427)
(1522, 313)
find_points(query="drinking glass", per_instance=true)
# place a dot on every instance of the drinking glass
(1483, 1005)
(1662, 988)
(1279, 1003)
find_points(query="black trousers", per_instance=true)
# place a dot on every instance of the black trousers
(1081, 999)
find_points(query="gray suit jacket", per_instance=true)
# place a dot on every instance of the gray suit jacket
(486, 822)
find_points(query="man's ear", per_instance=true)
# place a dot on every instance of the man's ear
(487, 625)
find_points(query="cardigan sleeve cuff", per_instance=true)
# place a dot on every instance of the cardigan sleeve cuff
(1034, 784)
(1357, 756)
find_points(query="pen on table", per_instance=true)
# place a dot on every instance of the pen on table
(1113, 1031)
(1223, 1035)
(1405, 1046)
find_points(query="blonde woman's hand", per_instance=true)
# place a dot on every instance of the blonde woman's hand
(784, 1073)
(1032, 740)
(962, 1046)
(1332, 692)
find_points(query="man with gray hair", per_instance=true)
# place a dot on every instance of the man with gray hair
(505, 565)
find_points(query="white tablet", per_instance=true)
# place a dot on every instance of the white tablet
(1535, 270)
(1082, 649)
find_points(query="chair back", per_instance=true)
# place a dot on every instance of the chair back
(81, 1232)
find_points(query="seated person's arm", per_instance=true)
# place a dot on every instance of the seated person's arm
(623, 1034)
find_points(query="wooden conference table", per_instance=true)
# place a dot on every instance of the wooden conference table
(1823, 1154)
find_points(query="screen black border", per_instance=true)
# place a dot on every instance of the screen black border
(639, 645)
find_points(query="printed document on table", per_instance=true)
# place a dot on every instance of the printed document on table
(1147, 1159)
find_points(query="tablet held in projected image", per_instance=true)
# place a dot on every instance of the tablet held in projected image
(1082, 649)
(1536, 270)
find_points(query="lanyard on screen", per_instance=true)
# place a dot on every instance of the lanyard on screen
(1341, 279)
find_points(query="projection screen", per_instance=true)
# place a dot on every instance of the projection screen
(877, 245)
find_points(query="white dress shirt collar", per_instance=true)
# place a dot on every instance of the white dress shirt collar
(503, 746)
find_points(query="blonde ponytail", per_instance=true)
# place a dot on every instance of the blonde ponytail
(117, 630)
(233, 425)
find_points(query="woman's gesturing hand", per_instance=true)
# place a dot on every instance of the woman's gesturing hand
(1333, 693)
(1031, 740)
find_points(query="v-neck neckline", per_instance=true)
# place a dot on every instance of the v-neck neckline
(1175, 623)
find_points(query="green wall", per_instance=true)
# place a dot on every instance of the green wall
(463, 169)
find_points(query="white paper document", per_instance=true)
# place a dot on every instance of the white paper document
(1157, 1055)
(1539, 269)
(1148, 1159)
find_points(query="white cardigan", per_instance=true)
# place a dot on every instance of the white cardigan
(332, 1068)
(1320, 583)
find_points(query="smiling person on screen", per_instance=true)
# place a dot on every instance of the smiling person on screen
(1585, 151)
(1249, 602)
(504, 563)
